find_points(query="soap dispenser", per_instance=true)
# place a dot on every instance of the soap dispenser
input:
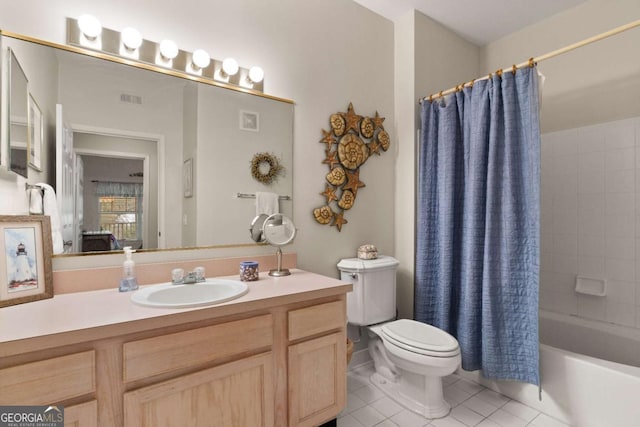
(128, 281)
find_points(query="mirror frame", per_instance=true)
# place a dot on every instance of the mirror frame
(157, 69)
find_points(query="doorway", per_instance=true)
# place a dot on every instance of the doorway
(119, 194)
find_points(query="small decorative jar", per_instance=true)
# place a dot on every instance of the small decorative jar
(249, 271)
(367, 252)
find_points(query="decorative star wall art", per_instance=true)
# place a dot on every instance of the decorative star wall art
(350, 142)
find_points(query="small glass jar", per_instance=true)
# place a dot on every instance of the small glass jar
(249, 271)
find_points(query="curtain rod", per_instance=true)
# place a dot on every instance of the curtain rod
(535, 60)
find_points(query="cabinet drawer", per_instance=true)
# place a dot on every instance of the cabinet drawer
(48, 381)
(166, 353)
(316, 319)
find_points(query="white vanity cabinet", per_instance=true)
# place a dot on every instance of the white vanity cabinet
(278, 361)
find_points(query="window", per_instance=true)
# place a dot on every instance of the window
(120, 216)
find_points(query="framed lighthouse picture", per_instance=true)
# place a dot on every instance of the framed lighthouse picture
(25, 259)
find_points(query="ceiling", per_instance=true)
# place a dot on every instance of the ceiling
(479, 21)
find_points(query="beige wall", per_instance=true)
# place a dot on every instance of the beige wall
(405, 99)
(587, 85)
(429, 58)
(321, 53)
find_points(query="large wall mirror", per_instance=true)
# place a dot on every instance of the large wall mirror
(17, 96)
(151, 160)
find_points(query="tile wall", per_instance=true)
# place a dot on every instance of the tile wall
(590, 220)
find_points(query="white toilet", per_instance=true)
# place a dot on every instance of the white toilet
(410, 357)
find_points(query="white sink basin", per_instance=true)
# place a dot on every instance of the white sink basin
(209, 292)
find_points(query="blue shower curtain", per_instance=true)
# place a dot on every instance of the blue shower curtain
(477, 234)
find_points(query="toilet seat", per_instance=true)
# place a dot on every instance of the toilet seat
(420, 338)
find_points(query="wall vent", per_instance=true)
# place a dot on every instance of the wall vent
(130, 99)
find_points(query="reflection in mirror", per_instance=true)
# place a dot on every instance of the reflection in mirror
(18, 116)
(134, 130)
(256, 228)
(278, 230)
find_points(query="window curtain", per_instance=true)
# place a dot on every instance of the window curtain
(123, 189)
(118, 189)
(477, 233)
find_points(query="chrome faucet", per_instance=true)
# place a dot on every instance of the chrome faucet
(191, 278)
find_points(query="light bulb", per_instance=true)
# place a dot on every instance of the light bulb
(131, 38)
(200, 58)
(256, 74)
(168, 49)
(230, 66)
(90, 26)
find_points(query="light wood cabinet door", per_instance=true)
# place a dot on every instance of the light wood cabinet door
(235, 394)
(317, 379)
(81, 415)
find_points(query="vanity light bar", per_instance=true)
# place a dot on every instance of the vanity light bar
(110, 41)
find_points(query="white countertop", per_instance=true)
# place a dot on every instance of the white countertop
(75, 317)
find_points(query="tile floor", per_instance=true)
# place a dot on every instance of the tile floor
(472, 405)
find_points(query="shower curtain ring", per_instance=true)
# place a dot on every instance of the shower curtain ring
(440, 94)
(499, 72)
(513, 69)
(531, 63)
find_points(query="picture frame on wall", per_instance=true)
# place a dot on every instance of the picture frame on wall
(25, 259)
(187, 178)
(249, 120)
(36, 134)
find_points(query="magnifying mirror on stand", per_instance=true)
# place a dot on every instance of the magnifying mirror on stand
(278, 230)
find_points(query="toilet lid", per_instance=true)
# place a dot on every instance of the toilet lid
(420, 337)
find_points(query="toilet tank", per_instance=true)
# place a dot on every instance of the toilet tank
(373, 299)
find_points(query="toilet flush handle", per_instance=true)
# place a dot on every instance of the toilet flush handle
(354, 276)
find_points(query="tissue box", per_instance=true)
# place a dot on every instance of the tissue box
(367, 252)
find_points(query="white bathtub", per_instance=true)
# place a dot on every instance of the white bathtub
(579, 387)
